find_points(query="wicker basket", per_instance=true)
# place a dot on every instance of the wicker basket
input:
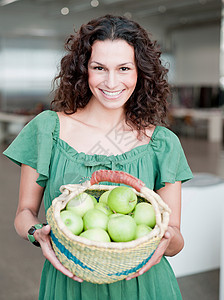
(100, 262)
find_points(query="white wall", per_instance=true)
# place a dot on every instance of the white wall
(196, 53)
(201, 226)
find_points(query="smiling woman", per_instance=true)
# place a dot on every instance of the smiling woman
(152, 89)
(112, 81)
(108, 111)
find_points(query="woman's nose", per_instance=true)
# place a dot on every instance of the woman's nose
(111, 80)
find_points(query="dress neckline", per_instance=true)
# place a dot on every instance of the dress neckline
(126, 154)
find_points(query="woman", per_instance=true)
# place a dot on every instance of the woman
(107, 114)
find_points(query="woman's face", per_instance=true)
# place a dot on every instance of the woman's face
(112, 72)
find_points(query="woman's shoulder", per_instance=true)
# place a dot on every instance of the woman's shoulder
(170, 159)
(42, 124)
(46, 115)
(45, 119)
(164, 133)
(165, 141)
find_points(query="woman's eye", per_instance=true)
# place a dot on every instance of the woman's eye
(124, 68)
(98, 68)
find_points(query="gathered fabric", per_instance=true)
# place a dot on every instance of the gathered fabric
(57, 163)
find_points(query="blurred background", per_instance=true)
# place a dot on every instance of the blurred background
(191, 36)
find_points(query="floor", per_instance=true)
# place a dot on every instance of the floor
(203, 286)
(21, 263)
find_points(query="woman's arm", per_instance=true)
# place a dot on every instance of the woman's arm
(172, 241)
(171, 194)
(30, 197)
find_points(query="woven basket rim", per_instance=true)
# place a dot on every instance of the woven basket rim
(71, 190)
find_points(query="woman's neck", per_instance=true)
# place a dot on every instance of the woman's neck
(96, 115)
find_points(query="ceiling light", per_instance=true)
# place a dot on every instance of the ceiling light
(94, 3)
(128, 15)
(6, 2)
(64, 11)
(162, 9)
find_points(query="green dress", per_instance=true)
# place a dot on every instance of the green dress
(161, 160)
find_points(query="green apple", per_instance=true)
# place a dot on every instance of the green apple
(95, 218)
(122, 228)
(96, 234)
(114, 215)
(94, 199)
(104, 197)
(72, 220)
(80, 204)
(142, 230)
(104, 208)
(144, 214)
(122, 199)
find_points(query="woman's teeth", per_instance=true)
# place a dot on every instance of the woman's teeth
(112, 93)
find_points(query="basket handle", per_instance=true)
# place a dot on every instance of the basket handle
(117, 177)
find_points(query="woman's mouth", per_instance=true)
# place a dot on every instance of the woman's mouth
(112, 94)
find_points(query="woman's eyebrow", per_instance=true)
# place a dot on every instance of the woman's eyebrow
(126, 63)
(96, 62)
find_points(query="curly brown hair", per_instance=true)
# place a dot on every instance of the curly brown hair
(147, 104)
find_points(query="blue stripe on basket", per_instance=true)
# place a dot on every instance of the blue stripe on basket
(70, 256)
(135, 269)
(67, 253)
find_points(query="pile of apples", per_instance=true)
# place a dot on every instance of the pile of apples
(116, 217)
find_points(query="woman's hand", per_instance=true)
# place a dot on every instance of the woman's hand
(158, 254)
(30, 198)
(172, 241)
(42, 236)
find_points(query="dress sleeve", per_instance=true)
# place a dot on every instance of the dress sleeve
(171, 163)
(33, 145)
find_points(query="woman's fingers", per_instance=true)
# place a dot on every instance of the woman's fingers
(46, 229)
(44, 240)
